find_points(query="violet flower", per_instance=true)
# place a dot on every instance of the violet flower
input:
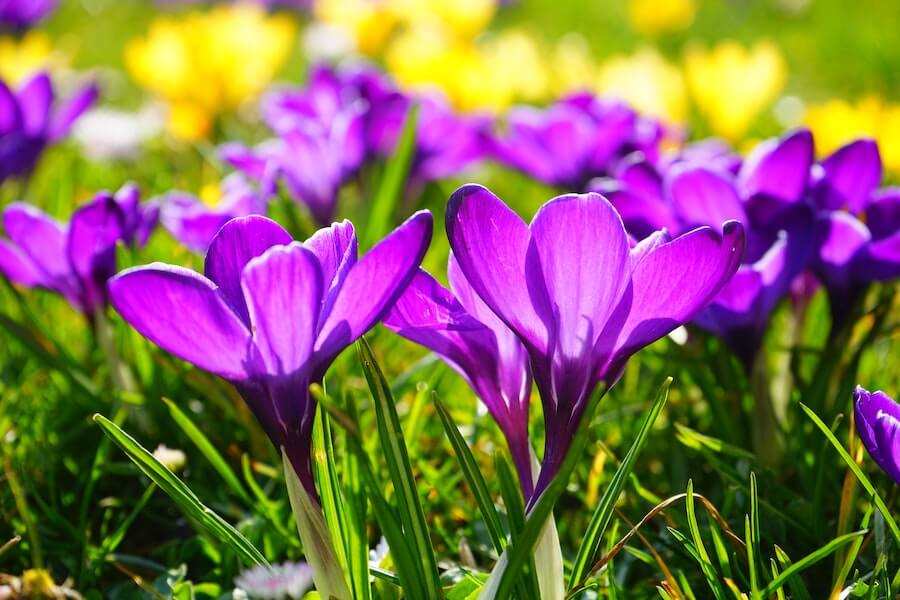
(878, 426)
(30, 120)
(460, 328)
(579, 298)
(194, 223)
(18, 15)
(573, 141)
(270, 314)
(77, 259)
(858, 227)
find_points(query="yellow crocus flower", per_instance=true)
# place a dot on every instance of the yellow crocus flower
(652, 17)
(648, 82)
(202, 63)
(368, 22)
(20, 59)
(836, 122)
(732, 85)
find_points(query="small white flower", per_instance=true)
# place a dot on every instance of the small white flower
(105, 133)
(290, 580)
(324, 42)
(172, 458)
(378, 553)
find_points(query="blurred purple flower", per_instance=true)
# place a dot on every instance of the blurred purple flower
(460, 328)
(577, 295)
(77, 259)
(18, 15)
(858, 226)
(29, 122)
(194, 223)
(270, 315)
(573, 141)
(878, 426)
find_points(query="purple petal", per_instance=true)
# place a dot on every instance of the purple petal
(578, 243)
(93, 232)
(18, 268)
(283, 291)
(866, 408)
(841, 238)
(43, 241)
(65, 115)
(887, 438)
(701, 196)
(850, 176)
(778, 168)
(336, 249)
(185, 314)
(675, 281)
(35, 100)
(239, 241)
(373, 284)
(882, 259)
(490, 241)
(883, 213)
(10, 115)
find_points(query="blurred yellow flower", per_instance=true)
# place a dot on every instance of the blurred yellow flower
(368, 22)
(20, 59)
(572, 68)
(646, 81)
(652, 17)
(836, 122)
(204, 64)
(463, 18)
(731, 85)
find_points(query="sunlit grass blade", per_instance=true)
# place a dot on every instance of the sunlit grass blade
(807, 561)
(694, 529)
(355, 533)
(327, 483)
(186, 500)
(587, 552)
(511, 492)
(753, 541)
(796, 585)
(706, 566)
(411, 514)
(851, 464)
(474, 478)
(847, 564)
(393, 180)
(208, 450)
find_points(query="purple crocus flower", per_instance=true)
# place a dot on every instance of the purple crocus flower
(573, 141)
(195, 224)
(878, 426)
(767, 193)
(578, 296)
(271, 314)
(858, 227)
(18, 15)
(30, 121)
(460, 328)
(77, 259)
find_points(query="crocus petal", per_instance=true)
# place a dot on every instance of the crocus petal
(701, 196)
(10, 115)
(17, 267)
(93, 232)
(578, 243)
(778, 168)
(883, 213)
(373, 285)
(675, 281)
(840, 239)
(35, 99)
(887, 438)
(866, 408)
(336, 249)
(185, 314)
(882, 259)
(66, 114)
(850, 175)
(490, 241)
(283, 291)
(239, 241)
(41, 238)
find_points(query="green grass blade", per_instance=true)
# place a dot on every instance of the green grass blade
(798, 588)
(396, 456)
(851, 464)
(393, 181)
(809, 560)
(208, 450)
(753, 541)
(474, 478)
(186, 500)
(325, 472)
(587, 552)
(511, 492)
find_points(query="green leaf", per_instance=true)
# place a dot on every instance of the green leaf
(705, 561)
(753, 541)
(472, 473)
(393, 181)
(396, 456)
(851, 464)
(807, 561)
(186, 500)
(208, 450)
(587, 552)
